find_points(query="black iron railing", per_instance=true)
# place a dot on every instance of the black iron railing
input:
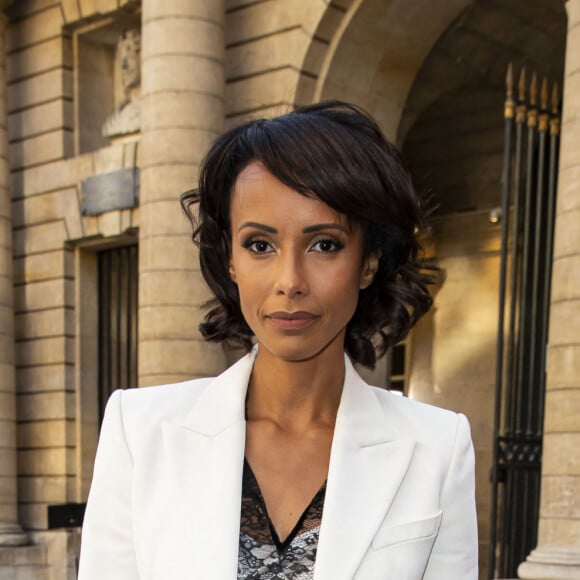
(528, 204)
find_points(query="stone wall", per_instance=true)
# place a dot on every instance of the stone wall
(277, 54)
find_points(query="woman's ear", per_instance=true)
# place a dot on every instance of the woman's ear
(232, 272)
(369, 270)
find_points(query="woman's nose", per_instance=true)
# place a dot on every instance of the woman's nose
(291, 279)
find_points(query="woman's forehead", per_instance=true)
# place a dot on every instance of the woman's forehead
(258, 192)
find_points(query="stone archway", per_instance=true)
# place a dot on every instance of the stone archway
(451, 133)
(435, 81)
(373, 52)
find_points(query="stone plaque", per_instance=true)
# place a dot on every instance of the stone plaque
(109, 191)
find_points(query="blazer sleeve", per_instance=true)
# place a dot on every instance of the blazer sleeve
(107, 546)
(454, 555)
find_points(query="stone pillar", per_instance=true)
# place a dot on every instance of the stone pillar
(182, 92)
(557, 556)
(10, 532)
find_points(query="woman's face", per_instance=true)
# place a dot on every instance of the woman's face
(297, 264)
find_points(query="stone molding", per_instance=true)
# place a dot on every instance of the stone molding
(551, 563)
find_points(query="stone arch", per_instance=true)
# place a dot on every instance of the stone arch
(366, 62)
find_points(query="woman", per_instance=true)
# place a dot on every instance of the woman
(288, 465)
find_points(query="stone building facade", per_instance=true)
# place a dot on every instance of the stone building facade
(70, 196)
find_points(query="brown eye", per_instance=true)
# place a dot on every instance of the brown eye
(326, 246)
(259, 246)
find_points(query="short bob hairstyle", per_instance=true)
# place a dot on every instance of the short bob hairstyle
(335, 152)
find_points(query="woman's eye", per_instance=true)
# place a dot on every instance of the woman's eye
(326, 246)
(259, 246)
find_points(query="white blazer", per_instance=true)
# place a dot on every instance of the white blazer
(165, 499)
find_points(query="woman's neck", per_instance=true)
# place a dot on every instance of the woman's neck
(296, 394)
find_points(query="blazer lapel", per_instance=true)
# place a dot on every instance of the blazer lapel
(206, 453)
(367, 466)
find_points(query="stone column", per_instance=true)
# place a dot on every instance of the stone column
(557, 556)
(182, 108)
(10, 532)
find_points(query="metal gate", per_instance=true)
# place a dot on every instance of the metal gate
(531, 142)
(117, 271)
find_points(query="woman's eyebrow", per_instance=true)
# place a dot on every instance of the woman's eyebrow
(307, 230)
(259, 226)
(319, 227)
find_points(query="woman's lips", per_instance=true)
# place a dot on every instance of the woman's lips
(292, 320)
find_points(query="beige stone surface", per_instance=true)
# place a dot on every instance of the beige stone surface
(568, 155)
(173, 322)
(36, 28)
(50, 177)
(40, 238)
(45, 351)
(42, 208)
(46, 378)
(169, 181)
(109, 159)
(70, 10)
(176, 145)
(93, 7)
(43, 295)
(182, 287)
(181, 36)
(8, 454)
(561, 497)
(558, 532)
(56, 460)
(40, 89)
(41, 149)
(52, 53)
(44, 323)
(162, 357)
(33, 516)
(45, 488)
(258, 19)
(164, 216)
(569, 178)
(560, 455)
(167, 72)
(199, 111)
(566, 278)
(57, 114)
(45, 266)
(160, 253)
(45, 434)
(564, 322)
(288, 48)
(563, 411)
(45, 406)
(571, 107)
(191, 9)
(563, 366)
(270, 88)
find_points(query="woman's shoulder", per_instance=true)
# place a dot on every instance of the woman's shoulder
(161, 401)
(426, 421)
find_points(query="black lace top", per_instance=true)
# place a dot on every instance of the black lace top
(262, 555)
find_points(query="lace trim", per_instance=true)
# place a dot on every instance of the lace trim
(262, 555)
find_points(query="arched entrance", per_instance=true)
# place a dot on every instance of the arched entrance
(435, 80)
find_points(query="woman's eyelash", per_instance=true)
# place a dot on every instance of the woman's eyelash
(328, 245)
(257, 246)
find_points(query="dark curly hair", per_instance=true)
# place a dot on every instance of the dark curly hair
(335, 152)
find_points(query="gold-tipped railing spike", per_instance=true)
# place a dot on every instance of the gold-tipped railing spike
(543, 118)
(522, 85)
(533, 112)
(544, 95)
(509, 99)
(555, 120)
(521, 108)
(555, 99)
(534, 90)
